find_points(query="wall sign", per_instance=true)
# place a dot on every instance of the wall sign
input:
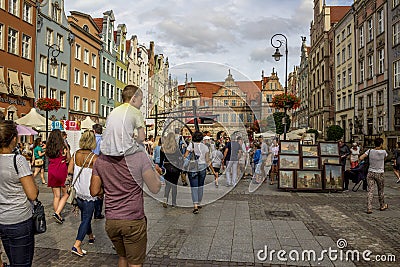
(13, 101)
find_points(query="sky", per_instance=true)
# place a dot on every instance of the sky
(206, 38)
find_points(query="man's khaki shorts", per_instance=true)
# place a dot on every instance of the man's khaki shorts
(129, 238)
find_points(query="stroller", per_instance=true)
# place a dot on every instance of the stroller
(357, 175)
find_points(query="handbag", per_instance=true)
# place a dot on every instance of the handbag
(190, 163)
(39, 162)
(71, 191)
(39, 218)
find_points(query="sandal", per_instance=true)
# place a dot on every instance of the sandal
(384, 207)
(369, 211)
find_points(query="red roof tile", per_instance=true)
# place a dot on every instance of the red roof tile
(99, 23)
(338, 12)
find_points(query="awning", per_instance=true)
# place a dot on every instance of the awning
(3, 86)
(26, 80)
(15, 86)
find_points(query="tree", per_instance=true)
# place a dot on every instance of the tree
(314, 131)
(335, 133)
(274, 123)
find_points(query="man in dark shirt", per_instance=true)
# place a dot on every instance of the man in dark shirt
(232, 153)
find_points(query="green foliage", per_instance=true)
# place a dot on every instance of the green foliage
(274, 123)
(314, 131)
(335, 133)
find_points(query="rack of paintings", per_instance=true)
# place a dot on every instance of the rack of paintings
(310, 167)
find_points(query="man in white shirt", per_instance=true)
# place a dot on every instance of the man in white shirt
(124, 132)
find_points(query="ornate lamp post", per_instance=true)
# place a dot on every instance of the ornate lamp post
(277, 56)
(55, 51)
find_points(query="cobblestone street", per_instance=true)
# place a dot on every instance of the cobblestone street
(231, 230)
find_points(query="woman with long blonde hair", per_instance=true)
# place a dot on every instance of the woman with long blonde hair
(171, 159)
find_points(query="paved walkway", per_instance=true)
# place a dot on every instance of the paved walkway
(232, 230)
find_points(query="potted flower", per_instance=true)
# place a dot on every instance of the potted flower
(48, 104)
(288, 101)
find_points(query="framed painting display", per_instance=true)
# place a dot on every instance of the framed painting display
(333, 174)
(309, 151)
(329, 160)
(289, 147)
(286, 179)
(309, 179)
(328, 149)
(310, 163)
(289, 162)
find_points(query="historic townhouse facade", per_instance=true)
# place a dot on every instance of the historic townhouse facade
(270, 86)
(292, 89)
(53, 30)
(321, 72)
(107, 64)
(393, 44)
(17, 53)
(371, 93)
(121, 62)
(301, 115)
(344, 52)
(85, 67)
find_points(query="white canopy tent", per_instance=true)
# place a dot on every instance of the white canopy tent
(87, 123)
(35, 120)
(267, 134)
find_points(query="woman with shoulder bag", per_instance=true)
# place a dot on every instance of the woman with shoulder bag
(38, 159)
(18, 188)
(80, 167)
(197, 176)
(59, 156)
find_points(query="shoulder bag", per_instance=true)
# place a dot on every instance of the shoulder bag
(71, 191)
(38, 216)
(190, 163)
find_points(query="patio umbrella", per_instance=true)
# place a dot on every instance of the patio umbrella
(24, 130)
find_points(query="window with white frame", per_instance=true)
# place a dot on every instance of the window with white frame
(338, 81)
(76, 102)
(103, 111)
(396, 33)
(85, 105)
(111, 91)
(381, 25)
(26, 46)
(370, 24)
(27, 13)
(54, 70)
(43, 64)
(93, 106)
(380, 124)
(107, 90)
(369, 100)
(379, 98)
(362, 71)
(77, 76)
(42, 91)
(344, 79)
(224, 117)
(63, 99)
(85, 79)
(93, 83)
(381, 61)
(344, 102)
(13, 41)
(338, 59)
(64, 71)
(361, 103)
(49, 37)
(348, 29)
(86, 56)
(338, 104)
(13, 7)
(349, 52)
(233, 117)
(361, 36)
(108, 67)
(60, 42)
(396, 74)
(370, 66)
(78, 52)
(343, 35)
(1, 36)
(2, 4)
(233, 103)
(56, 12)
(94, 60)
(53, 93)
(112, 70)
(118, 73)
(349, 72)
(338, 39)
(343, 55)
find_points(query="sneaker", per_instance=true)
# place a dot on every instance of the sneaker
(101, 216)
(91, 240)
(75, 251)
(398, 181)
(195, 211)
(57, 218)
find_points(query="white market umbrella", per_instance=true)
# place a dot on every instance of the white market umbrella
(34, 119)
(25, 130)
(87, 123)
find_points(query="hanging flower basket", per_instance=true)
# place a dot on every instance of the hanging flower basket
(289, 101)
(48, 104)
